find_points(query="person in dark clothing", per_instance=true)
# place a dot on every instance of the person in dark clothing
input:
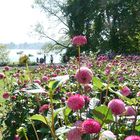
(51, 58)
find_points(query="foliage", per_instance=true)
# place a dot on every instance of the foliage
(109, 25)
(4, 55)
(23, 60)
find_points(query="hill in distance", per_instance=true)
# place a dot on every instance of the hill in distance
(36, 46)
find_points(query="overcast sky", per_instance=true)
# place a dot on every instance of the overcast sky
(17, 19)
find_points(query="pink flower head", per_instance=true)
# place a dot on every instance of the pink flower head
(84, 75)
(107, 71)
(74, 134)
(2, 76)
(130, 111)
(125, 91)
(37, 81)
(87, 87)
(87, 99)
(121, 79)
(45, 78)
(57, 70)
(69, 94)
(79, 40)
(43, 108)
(91, 126)
(16, 137)
(6, 68)
(132, 138)
(5, 95)
(138, 94)
(76, 102)
(117, 106)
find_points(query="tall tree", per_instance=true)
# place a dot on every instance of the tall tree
(4, 54)
(108, 24)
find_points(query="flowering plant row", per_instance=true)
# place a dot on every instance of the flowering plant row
(89, 98)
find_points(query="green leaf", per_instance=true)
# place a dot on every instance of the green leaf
(97, 82)
(58, 111)
(129, 101)
(103, 114)
(67, 111)
(53, 85)
(38, 117)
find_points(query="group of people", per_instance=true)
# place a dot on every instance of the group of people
(43, 60)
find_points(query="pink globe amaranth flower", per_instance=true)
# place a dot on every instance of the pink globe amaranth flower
(13, 97)
(84, 75)
(45, 78)
(132, 138)
(6, 68)
(57, 70)
(87, 87)
(117, 106)
(79, 40)
(37, 81)
(90, 126)
(125, 91)
(130, 111)
(107, 71)
(76, 102)
(5, 95)
(138, 94)
(69, 94)
(74, 134)
(87, 99)
(121, 79)
(16, 137)
(43, 108)
(2, 76)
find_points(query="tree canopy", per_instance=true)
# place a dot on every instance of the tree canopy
(4, 54)
(109, 25)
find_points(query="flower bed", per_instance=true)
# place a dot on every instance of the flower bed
(89, 98)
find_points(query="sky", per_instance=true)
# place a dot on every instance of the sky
(17, 22)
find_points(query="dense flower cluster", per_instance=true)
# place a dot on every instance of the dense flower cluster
(71, 101)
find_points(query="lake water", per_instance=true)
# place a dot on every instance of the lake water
(14, 56)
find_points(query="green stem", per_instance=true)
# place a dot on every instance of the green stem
(52, 112)
(79, 55)
(135, 120)
(28, 72)
(116, 120)
(34, 130)
(105, 118)
(52, 133)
